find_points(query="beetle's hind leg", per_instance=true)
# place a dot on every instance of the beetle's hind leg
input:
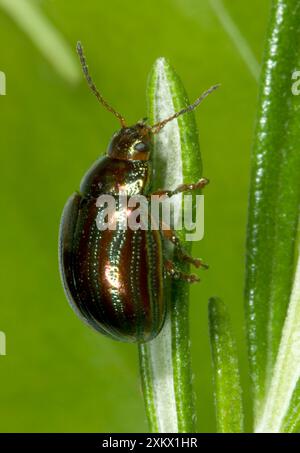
(177, 274)
(182, 255)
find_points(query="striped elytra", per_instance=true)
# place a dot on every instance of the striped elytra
(113, 278)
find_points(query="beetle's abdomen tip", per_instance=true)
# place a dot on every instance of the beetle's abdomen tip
(123, 335)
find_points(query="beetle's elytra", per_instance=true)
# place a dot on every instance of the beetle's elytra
(114, 279)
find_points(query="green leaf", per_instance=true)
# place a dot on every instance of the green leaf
(165, 361)
(291, 422)
(274, 197)
(283, 388)
(227, 388)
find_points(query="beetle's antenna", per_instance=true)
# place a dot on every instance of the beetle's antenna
(158, 126)
(93, 86)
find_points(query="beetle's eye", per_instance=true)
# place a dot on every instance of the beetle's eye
(141, 147)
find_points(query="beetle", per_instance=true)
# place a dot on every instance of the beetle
(114, 279)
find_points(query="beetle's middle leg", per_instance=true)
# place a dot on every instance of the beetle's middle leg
(182, 254)
(182, 188)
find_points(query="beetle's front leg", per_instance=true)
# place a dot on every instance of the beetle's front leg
(177, 274)
(182, 188)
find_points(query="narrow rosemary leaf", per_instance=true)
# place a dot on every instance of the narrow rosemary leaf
(286, 373)
(227, 388)
(165, 361)
(274, 197)
(291, 422)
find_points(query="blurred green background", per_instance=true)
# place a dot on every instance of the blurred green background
(58, 375)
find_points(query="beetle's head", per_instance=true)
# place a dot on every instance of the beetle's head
(131, 143)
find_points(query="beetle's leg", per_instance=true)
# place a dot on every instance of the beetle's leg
(175, 273)
(182, 188)
(182, 254)
(171, 236)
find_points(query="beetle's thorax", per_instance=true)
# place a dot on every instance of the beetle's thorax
(113, 176)
(131, 143)
(136, 181)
